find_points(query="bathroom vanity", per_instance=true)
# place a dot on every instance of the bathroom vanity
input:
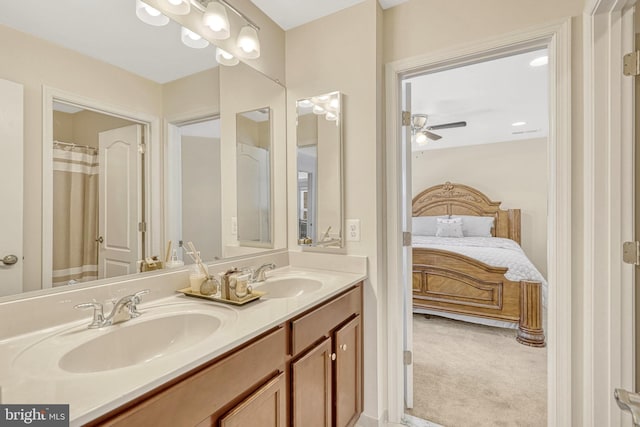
(306, 371)
(293, 357)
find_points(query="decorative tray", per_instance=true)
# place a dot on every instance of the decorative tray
(254, 295)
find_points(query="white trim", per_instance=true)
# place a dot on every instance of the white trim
(608, 316)
(153, 170)
(557, 37)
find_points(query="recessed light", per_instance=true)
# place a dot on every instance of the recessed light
(518, 123)
(539, 61)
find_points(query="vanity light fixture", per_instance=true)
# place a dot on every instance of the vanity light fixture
(191, 39)
(150, 15)
(225, 58)
(331, 116)
(215, 18)
(334, 104)
(177, 7)
(319, 109)
(305, 103)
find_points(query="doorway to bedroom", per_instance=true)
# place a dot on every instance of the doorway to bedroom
(476, 291)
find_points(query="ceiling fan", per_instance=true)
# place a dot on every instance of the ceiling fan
(422, 131)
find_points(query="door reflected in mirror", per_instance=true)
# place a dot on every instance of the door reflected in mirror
(319, 171)
(253, 157)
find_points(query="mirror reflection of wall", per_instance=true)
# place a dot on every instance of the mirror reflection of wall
(319, 160)
(253, 171)
(96, 172)
(194, 186)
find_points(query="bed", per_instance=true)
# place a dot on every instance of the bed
(472, 277)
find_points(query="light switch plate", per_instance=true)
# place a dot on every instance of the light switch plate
(234, 225)
(353, 230)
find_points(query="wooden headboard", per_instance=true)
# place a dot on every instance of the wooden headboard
(458, 199)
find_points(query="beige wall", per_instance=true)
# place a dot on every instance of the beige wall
(33, 63)
(191, 97)
(339, 53)
(83, 127)
(514, 173)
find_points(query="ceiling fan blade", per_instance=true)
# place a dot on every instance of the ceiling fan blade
(448, 125)
(432, 136)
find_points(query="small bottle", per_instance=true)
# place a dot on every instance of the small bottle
(175, 262)
(196, 277)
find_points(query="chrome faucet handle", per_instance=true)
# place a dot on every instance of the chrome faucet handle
(98, 313)
(135, 300)
(259, 273)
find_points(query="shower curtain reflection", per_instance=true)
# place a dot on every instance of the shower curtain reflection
(75, 213)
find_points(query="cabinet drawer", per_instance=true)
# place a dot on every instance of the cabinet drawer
(202, 394)
(318, 323)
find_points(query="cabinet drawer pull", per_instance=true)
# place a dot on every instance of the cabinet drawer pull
(332, 356)
(343, 347)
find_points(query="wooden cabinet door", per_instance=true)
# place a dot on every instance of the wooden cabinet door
(348, 373)
(265, 407)
(311, 387)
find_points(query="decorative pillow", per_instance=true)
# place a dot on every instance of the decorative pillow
(449, 227)
(476, 226)
(424, 225)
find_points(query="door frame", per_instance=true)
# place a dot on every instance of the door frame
(152, 177)
(557, 37)
(608, 334)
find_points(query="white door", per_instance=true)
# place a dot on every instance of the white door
(253, 185)
(406, 251)
(119, 209)
(11, 139)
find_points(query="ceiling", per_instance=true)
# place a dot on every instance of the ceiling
(490, 96)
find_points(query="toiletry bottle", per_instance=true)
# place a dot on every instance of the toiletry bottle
(196, 277)
(175, 262)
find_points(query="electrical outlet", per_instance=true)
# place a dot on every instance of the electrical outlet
(353, 230)
(234, 225)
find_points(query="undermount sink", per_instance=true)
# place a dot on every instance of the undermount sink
(288, 287)
(139, 342)
(162, 331)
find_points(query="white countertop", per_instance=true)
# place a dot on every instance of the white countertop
(23, 381)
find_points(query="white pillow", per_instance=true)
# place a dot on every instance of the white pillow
(476, 226)
(449, 227)
(424, 225)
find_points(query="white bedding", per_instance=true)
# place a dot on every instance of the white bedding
(494, 251)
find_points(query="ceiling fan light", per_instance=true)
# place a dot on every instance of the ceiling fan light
(215, 18)
(150, 15)
(191, 39)
(248, 42)
(177, 7)
(421, 138)
(225, 58)
(418, 121)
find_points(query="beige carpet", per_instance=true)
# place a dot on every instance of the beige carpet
(473, 375)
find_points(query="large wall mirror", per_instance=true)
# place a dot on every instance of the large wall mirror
(128, 149)
(319, 171)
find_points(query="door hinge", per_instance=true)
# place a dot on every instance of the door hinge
(142, 148)
(406, 238)
(142, 227)
(631, 64)
(631, 253)
(406, 118)
(407, 357)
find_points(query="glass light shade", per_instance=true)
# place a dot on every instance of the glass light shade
(225, 58)
(150, 15)
(248, 42)
(319, 109)
(331, 116)
(334, 104)
(421, 138)
(177, 7)
(215, 18)
(191, 39)
(304, 103)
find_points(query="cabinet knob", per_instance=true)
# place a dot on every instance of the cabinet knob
(332, 356)
(343, 347)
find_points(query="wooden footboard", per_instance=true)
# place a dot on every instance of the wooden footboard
(453, 283)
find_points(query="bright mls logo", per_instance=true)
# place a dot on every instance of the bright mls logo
(34, 415)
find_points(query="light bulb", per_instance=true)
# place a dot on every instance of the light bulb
(248, 42)
(178, 7)
(421, 138)
(150, 15)
(191, 39)
(225, 58)
(215, 17)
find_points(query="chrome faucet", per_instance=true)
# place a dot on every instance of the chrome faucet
(124, 309)
(259, 273)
